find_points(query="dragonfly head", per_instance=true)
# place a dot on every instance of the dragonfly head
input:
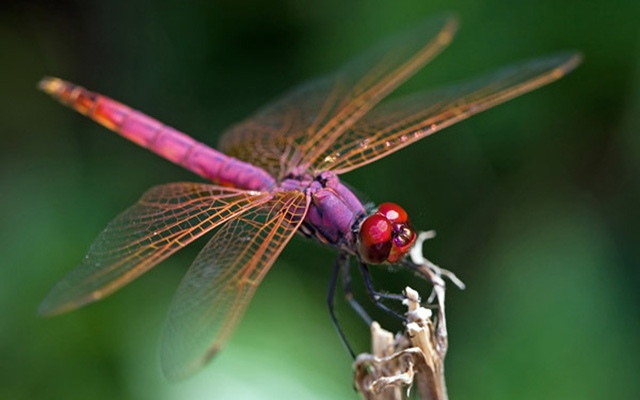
(385, 236)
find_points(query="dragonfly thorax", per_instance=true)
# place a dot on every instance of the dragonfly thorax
(386, 235)
(333, 210)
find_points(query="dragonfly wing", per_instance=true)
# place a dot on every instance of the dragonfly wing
(271, 138)
(303, 123)
(399, 123)
(219, 285)
(165, 219)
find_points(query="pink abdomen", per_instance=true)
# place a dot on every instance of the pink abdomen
(161, 139)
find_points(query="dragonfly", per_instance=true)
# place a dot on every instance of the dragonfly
(278, 173)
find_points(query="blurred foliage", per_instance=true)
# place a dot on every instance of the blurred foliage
(535, 202)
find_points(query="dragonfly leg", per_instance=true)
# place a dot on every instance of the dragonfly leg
(341, 261)
(376, 296)
(348, 294)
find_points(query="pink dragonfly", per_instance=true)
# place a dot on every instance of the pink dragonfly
(278, 174)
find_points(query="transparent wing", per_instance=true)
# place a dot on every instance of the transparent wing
(399, 123)
(165, 219)
(302, 124)
(219, 285)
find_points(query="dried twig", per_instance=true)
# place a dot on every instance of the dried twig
(415, 357)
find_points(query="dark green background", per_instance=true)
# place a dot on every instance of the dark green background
(535, 202)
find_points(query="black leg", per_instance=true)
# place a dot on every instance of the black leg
(348, 294)
(376, 296)
(342, 259)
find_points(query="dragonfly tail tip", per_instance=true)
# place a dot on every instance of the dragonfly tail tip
(49, 84)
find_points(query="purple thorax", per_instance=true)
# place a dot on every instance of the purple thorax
(333, 211)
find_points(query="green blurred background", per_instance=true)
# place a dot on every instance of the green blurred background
(535, 202)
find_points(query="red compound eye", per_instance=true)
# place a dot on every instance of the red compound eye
(393, 212)
(386, 236)
(375, 239)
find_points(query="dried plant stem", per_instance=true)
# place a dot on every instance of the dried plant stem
(415, 357)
